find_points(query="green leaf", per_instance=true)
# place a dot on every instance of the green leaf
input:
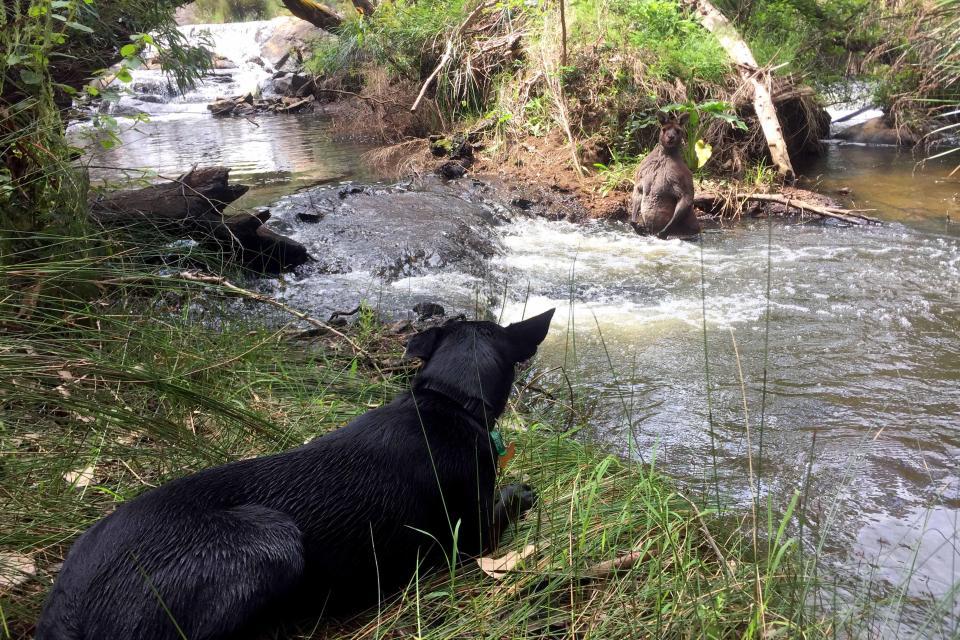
(30, 77)
(67, 89)
(108, 143)
(703, 151)
(123, 75)
(92, 90)
(128, 50)
(14, 59)
(60, 4)
(80, 27)
(36, 10)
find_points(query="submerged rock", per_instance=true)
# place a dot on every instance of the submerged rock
(451, 170)
(393, 232)
(426, 310)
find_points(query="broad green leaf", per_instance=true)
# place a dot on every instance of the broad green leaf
(123, 75)
(92, 90)
(30, 77)
(80, 27)
(703, 151)
(128, 50)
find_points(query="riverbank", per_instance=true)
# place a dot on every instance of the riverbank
(157, 376)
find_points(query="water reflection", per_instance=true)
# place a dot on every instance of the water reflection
(274, 154)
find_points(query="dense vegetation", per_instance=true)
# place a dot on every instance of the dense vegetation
(597, 72)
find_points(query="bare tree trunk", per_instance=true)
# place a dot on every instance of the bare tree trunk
(563, 33)
(738, 50)
(318, 14)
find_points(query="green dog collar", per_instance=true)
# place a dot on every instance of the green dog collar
(497, 440)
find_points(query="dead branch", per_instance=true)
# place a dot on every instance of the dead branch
(447, 54)
(846, 215)
(251, 295)
(607, 568)
(752, 75)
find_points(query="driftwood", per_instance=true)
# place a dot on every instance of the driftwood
(758, 79)
(316, 13)
(193, 205)
(711, 201)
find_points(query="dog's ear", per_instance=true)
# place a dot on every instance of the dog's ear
(528, 334)
(421, 345)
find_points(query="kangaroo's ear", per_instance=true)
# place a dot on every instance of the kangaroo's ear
(682, 119)
(663, 117)
(421, 345)
(528, 334)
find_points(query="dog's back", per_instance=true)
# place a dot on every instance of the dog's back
(332, 526)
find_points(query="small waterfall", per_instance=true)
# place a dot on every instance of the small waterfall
(240, 43)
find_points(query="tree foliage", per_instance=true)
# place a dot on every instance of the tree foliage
(49, 51)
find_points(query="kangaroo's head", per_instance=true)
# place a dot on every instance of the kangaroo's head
(673, 133)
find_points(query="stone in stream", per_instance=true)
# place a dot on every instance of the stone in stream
(289, 83)
(313, 218)
(290, 35)
(223, 62)
(426, 310)
(451, 170)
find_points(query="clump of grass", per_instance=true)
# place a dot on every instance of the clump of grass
(116, 376)
(619, 553)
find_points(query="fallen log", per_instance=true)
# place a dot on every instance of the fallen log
(192, 205)
(711, 201)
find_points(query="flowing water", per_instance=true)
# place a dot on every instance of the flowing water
(842, 342)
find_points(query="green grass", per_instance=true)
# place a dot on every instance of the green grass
(134, 376)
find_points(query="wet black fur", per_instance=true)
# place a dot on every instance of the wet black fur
(333, 525)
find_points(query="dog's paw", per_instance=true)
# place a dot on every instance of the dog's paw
(517, 499)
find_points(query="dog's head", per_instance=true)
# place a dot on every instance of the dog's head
(475, 362)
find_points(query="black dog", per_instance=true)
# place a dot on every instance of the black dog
(334, 525)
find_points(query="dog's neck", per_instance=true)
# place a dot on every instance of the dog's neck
(477, 408)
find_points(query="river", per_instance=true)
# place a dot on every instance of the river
(845, 335)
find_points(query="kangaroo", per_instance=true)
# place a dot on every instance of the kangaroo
(662, 200)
